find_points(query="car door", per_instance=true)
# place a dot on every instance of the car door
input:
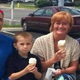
(33, 21)
(41, 19)
(45, 20)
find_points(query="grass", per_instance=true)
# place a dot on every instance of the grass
(6, 25)
(23, 5)
(78, 7)
(27, 6)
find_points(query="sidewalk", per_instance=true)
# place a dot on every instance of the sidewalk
(12, 29)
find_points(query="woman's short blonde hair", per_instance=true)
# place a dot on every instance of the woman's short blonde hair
(62, 15)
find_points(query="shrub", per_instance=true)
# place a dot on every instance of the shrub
(43, 3)
(77, 3)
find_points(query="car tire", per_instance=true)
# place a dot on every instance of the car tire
(25, 27)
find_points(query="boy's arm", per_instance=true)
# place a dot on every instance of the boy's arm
(12, 75)
(23, 72)
(17, 75)
(38, 69)
(37, 74)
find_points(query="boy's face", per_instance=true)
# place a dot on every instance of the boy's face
(23, 45)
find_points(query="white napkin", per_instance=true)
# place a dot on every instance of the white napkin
(49, 74)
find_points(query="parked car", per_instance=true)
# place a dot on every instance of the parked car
(29, 1)
(41, 19)
(66, 3)
(3, 1)
(55, 2)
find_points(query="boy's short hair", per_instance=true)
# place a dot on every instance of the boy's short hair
(22, 34)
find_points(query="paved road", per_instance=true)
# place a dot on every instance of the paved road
(17, 13)
(11, 32)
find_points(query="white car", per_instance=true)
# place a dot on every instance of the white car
(29, 1)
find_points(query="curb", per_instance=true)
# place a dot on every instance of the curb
(12, 29)
(10, 8)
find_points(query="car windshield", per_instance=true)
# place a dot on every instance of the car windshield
(73, 11)
(39, 12)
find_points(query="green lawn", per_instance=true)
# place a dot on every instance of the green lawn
(6, 25)
(23, 5)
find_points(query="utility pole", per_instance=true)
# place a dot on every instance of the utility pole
(60, 2)
(72, 0)
(12, 9)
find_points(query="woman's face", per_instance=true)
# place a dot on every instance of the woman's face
(1, 21)
(61, 28)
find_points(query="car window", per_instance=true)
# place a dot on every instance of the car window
(78, 10)
(73, 11)
(48, 12)
(39, 12)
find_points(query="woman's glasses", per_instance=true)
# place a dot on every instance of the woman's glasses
(62, 23)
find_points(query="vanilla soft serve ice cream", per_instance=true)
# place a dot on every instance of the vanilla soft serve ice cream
(32, 61)
(61, 44)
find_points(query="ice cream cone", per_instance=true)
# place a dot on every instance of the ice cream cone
(61, 44)
(32, 61)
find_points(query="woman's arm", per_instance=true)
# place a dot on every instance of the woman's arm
(72, 67)
(37, 74)
(58, 56)
(74, 58)
(47, 63)
(78, 68)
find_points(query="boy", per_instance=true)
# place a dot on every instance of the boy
(18, 67)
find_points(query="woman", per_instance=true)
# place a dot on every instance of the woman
(46, 46)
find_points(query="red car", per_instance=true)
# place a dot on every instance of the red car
(41, 19)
